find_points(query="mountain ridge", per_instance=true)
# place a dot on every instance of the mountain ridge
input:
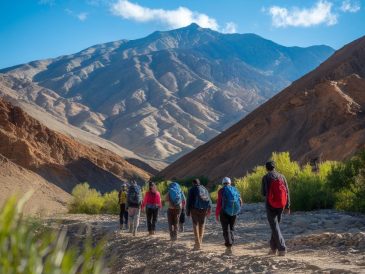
(163, 95)
(320, 116)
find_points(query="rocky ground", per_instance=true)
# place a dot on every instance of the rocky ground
(324, 241)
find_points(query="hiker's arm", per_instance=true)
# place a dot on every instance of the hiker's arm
(219, 205)
(189, 202)
(287, 206)
(144, 202)
(159, 200)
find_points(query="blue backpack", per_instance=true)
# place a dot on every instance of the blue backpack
(175, 194)
(231, 200)
(134, 195)
(202, 200)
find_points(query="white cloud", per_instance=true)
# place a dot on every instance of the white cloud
(82, 16)
(176, 18)
(320, 13)
(348, 6)
(230, 28)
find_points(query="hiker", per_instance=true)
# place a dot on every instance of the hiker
(228, 206)
(276, 191)
(134, 201)
(152, 203)
(123, 215)
(199, 207)
(175, 199)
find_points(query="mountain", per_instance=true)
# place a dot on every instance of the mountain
(60, 160)
(163, 95)
(318, 117)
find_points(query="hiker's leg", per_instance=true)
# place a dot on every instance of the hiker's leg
(176, 222)
(170, 221)
(276, 236)
(281, 242)
(232, 222)
(137, 215)
(149, 219)
(131, 219)
(225, 224)
(202, 220)
(154, 218)
(195, 221)
(126, 216)
(121, 214)
(182, 220)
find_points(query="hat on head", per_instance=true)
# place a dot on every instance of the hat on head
(226, 181)
(270, 165)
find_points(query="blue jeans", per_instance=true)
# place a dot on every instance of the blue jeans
(277, 241)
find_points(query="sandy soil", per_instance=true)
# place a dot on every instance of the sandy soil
(323, 241)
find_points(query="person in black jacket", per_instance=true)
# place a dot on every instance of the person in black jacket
(277, 242)
(198, 207)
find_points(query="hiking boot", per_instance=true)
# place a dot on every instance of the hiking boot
(229, 250)
(121, 227)
(153, 232)
(181, 227)
(282, 253)
(197, 246)
(150, 233)
(272, 252)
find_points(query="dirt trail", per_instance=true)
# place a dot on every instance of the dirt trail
(323, 241)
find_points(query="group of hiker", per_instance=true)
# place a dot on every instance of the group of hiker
(198, 206)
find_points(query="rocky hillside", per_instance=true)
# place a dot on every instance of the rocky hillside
(59, 159)
(318, 117)
(163, 95)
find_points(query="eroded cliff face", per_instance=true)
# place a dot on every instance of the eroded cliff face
(57, 158)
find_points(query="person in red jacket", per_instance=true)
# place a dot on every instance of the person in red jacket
(152, 203)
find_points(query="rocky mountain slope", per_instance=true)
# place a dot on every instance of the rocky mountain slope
(163, 95)
(59, 159)
(320, 116)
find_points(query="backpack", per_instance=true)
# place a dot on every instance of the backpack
(277, 196)
(134, 195)
(231, 200)
(202, 200)
(175, 194)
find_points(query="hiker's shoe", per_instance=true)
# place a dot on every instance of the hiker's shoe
(121, 227)
(181, 227)
(282, 253)
(126, 227)
(229, 250)
(153, 232)
(272, 252)
(150, 233)
(197, 246)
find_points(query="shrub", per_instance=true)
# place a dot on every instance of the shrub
(86, 200)
(26, 250)
(111, 203)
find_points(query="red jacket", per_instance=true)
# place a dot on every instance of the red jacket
(152, 198)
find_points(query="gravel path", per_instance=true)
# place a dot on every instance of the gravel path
(324, 241)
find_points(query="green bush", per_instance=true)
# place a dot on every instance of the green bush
(26, 250)
(308, 190)
(86, 200)
(348, 180)
(111, 203)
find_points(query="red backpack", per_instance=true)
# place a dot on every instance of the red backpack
(277, 196)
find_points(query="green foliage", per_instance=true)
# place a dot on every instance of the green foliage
(214, 194)
(111, 203)
(250, 185)
(308, 190)
(348, 180)
(26, 250)
(86, 200)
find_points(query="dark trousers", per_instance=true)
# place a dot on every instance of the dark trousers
(227, 223)
(277, 241)
(123, 215)
(182, 216)
(173, 215)
(152, 214)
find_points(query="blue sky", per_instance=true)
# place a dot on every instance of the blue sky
(39, 29)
